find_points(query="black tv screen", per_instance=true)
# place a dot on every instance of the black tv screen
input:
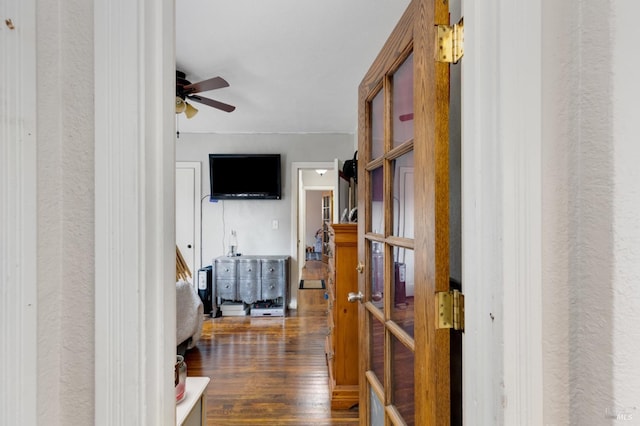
(244, 176)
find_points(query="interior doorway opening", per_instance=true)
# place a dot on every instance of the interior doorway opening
(310, 181)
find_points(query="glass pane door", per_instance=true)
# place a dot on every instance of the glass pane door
(403, 226)
(389, 241)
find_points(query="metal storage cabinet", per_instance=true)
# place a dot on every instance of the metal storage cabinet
(252, 279)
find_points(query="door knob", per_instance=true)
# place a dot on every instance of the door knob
(360, 267)
(352, 297)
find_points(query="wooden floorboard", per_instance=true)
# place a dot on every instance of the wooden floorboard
(266, 371)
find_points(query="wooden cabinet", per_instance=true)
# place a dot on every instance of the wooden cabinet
(342, 337)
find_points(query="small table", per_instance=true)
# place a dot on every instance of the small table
(192, 411)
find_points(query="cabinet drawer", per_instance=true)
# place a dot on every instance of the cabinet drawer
(248, 269)
(249, 290)
(272, 289)
(272, 269)
(226, 289)
(225, 269)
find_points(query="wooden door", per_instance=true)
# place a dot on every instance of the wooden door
(403, 235)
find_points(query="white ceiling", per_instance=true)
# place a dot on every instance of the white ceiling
(293, 66)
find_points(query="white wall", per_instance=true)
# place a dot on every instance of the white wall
(561, 86)
(65, 213)
(591, 237)
(625, 230)
(252, 219)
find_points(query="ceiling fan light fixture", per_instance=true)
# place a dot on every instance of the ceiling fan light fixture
(190, 111)
(181, 105)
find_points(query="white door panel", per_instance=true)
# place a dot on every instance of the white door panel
(188, 185)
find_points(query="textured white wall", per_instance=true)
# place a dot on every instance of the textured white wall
(560, 133)
(625, 303)
(65, 212)
(591, 240)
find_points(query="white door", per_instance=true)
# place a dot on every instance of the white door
(188, 194)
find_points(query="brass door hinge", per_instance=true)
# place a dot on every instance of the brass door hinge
(451, 310)
(450, 42)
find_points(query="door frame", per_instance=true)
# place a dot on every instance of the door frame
(135, 295)
(489, 128)
(502, 212)
(303, 221)
(492, 127)
(297, 210)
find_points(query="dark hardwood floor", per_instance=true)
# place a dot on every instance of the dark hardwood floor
(267, 370)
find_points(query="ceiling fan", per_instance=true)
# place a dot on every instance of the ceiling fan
(185, 90)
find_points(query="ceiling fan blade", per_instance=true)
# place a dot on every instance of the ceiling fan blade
(206, 85)
(216, 104)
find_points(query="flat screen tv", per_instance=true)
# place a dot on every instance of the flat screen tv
(244, 176)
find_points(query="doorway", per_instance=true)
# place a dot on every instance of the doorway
(306, 182)
(317, 213)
